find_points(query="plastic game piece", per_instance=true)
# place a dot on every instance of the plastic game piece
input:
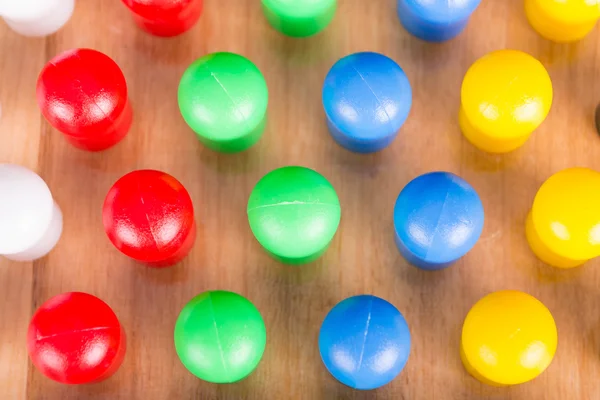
(76, 338)
(223, 97)
(438, 218)
(294, 213)
(299, 18)
(367, 97)
(563, 226)
(563, 21)
(364, 342)
(435, 20)
(31, 220)
(220, 337)
(148, 215)
(36, 18)
(83, 94)
(505, 96)
(165, 18)
(508, 338)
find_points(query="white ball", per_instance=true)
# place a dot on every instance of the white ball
(36, 17)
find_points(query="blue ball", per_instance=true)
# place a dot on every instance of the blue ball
(438, 218)
(364, 342)
(367, 98)
(435, 20)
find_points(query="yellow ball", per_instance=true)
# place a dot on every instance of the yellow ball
(563, 227)
(562, 21)
(505, 96)
(508, 338)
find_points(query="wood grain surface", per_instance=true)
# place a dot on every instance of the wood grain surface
(362, 257)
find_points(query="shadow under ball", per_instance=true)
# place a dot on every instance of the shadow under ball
(364, 342)
(438, 218)
(165, 18)
(148, 215)
(76, 338)
(367, 98)
(83, 94)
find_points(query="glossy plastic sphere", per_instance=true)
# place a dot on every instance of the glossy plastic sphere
(367, 97)
(83, 94)
(508, 338)
(220, 337)
(435, 20)
(294, 212)
(148, 215)
(31, 221)
(364, 342)
(76, 338)
(438, 218)
(505, 96)
(563, 21)
(36, 18)
(165, 18)
(299, 18)
(563, 227)
(223, 98)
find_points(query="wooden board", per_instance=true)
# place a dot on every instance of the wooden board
(362, 258)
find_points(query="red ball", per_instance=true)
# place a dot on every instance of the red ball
(76, 338)
(165, 17)
(148, 215)
(83, 94)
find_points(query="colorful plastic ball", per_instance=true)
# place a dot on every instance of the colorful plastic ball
(223, 98)
(438, 218)
(367, 97)
(563, 21)
(364, 342)
(435, 20)
(563, 226)
(220, 337)
(83, 94)
(76, 338)
(505, 96)
(508, 338)
(294, 212)
(165, 18)
(299, 18)
(36, 18)
(148, 215)
(31, 221)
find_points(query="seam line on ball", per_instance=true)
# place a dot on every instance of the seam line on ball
(437, 226)
(294, 203)
(212, 310)
(72, 332)
(379, 102)
(154, 237)
(362, 350)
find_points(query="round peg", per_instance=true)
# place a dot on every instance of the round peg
(165, 18)
(294, 213)
(438, 218)
(31, 220)
(563, 226)
(76, 338)
(367, 98)
(505, 96)
(148, 216)
(364, 342)
(299, 18)
(435, 20)
(36, 18)
(83, 94)
(220, 337)
(563, 21)
(223, 98)
(508, 338)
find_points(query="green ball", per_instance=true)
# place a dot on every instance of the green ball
(223, 97)
(294, 213)
(220, 336)
(299, 18)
